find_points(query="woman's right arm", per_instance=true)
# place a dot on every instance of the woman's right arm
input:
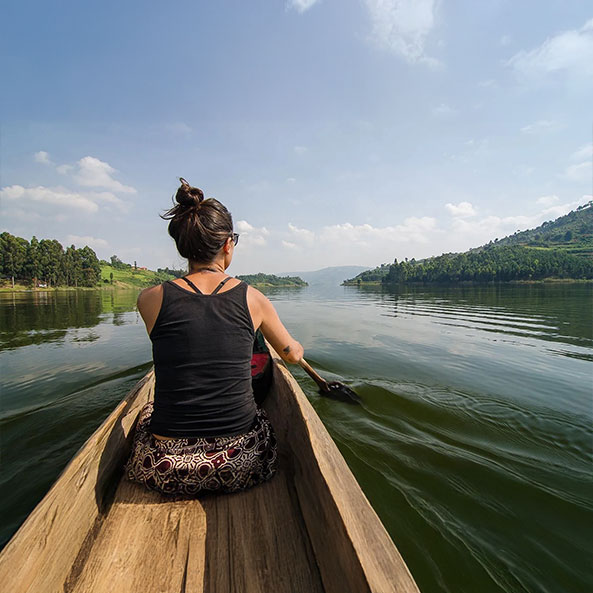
(264, 317)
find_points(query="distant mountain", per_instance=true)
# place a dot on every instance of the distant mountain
(332, 276)
(562, 248)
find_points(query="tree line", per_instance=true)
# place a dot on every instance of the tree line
(272, 280)
(492, 263)
(46, 262)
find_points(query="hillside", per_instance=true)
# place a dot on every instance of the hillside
(572, 233)
(130, 277)
(561, 249)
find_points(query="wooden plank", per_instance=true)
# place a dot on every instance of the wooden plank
(252, 542)
(147, 543)
(257, 542)
(354, 551)
(47, 550)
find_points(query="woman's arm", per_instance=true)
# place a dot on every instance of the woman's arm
(264, 317)
(149, 304)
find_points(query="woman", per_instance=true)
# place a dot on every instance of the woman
(204, 431)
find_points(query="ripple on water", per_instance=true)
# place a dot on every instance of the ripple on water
(472, 469)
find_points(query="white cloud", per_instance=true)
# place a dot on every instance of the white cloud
(64, 169)
(585, 152)
(365, 235)
(244, 227)
(42, 157)
(579, 172)
(250, 235)
(289, 245)
(477, 232)
(59, 197)
(300, 149)
(81, 241)
(298, 235)
(109, 198)
(301, 5)
(488, 84)
(93, 172)
(548, 200)
(402, 27)
(542, 125)
(290, 180)
(444, 110)
(569, 51)
(461, 210)
(505, 40)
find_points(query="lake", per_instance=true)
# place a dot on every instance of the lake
(473, 442)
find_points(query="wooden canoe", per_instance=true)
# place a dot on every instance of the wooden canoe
(309, 529)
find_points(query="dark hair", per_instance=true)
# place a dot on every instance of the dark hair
(200, 227)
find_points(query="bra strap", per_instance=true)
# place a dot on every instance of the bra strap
(220, 285)
(192, 285)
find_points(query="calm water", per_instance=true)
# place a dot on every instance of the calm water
(473, 442)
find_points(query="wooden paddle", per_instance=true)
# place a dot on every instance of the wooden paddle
(333, 389)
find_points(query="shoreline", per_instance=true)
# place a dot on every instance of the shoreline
(21, 288)
(475, 282)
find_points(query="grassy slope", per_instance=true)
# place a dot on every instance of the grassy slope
(129, 277)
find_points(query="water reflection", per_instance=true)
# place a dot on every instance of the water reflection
(41, 317)
(555, 312)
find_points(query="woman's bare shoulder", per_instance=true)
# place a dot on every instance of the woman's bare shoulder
(151, 296)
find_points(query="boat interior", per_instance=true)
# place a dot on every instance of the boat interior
(309, 529)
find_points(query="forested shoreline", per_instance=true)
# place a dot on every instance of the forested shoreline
(272, 280)
(45, 263)
(492, 264)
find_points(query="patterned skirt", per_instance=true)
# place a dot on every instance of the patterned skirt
(202, 464)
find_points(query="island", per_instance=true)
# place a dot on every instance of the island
(269, 280)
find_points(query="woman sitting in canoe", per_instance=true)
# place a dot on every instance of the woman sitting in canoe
(204, 431)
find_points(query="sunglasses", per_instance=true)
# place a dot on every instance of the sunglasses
(235, 238)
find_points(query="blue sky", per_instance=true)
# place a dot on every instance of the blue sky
(336, 131)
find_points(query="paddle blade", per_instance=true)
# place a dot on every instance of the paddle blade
(341, 392)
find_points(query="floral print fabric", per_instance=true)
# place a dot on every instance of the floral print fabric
(202, 464)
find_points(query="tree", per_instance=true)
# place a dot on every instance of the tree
(14, 255)
(91, 270)
(52, 264)
(73, 266)
(117, 263)
(33, 261)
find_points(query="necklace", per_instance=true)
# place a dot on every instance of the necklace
(204, 269)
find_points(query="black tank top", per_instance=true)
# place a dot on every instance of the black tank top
(202, 346)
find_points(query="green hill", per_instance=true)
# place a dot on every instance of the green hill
(131, 277)
(572, 233)
(559, 249)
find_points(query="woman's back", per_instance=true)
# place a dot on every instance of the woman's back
(202, 347)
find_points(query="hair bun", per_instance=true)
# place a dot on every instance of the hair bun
(187, 195)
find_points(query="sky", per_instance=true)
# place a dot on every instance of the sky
(337, 132)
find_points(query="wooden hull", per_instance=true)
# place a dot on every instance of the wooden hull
(309, 529)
